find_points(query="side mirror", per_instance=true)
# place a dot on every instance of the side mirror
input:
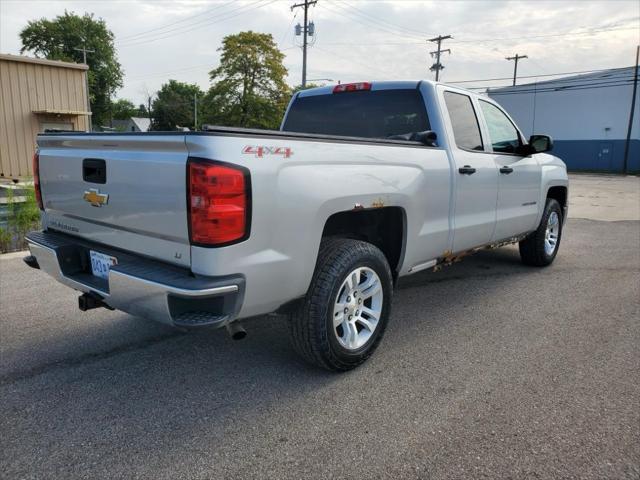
(428, 138)
(540, 143)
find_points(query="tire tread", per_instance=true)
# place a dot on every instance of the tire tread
(309, 336)
(532, 248)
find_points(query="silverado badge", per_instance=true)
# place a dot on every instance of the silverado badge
(95, 198)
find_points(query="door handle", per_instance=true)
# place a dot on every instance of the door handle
(467, 170)
(506, 170)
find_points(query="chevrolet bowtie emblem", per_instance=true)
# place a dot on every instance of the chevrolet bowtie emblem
(95, 198)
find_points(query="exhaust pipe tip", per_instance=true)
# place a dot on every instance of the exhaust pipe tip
(236, 331)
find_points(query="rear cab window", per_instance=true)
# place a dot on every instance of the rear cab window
(466, 130)
(368, 114)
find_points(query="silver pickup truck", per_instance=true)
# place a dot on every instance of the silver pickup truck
(364, 183)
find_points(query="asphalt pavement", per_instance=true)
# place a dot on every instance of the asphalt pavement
(489, 369)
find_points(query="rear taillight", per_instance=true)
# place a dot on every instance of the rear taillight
(219, 203)
(352, 87)
(36, 179)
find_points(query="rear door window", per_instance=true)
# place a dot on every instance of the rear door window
(369, 114)
(464, 121)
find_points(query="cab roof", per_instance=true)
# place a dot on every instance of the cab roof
(375, 85)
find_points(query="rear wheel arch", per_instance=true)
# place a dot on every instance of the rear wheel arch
(383, 227)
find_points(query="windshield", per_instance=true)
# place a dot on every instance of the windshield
(370, 114)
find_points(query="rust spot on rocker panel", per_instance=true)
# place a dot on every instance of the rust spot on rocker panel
(448, 257)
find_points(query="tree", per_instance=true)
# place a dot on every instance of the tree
(299, 88)
(249, 88)
(58, 39)
(148, 101)
(142, 111)
(124, 109)
(173, 105)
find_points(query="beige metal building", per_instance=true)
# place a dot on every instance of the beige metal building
(37, 94)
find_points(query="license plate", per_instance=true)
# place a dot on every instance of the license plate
(101, 263)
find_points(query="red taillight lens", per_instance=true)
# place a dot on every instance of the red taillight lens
(36, 179)
(352, 87)
(218, 203)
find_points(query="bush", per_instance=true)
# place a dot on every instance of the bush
(24, 216)
(5, 240)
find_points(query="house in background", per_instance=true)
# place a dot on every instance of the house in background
(587, 116)
(37, 95)
(133, 124)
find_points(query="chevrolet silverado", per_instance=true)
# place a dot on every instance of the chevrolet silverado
(363, 183)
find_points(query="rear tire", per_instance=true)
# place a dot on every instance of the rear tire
(541, 247)
(345, 312)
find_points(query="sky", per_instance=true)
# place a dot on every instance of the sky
(355, 40)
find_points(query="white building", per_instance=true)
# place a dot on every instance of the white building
(133, 124)
(587, 116)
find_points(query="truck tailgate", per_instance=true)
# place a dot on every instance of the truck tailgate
(125, 191)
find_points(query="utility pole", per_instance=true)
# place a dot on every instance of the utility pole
(625, 165)
(438, 66)
(86, 80)
(305, 31)
(515, 65)
(195, 111)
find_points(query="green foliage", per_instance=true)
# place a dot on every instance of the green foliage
(249, 88)
(142, 111)
(173, 105)
(24, 216)
(5, 240)
(124, 109)
(57, 39)
(299, 88)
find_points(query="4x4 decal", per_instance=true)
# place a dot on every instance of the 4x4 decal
(262, 150)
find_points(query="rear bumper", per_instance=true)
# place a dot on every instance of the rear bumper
(140, 286)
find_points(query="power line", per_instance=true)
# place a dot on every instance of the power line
(560, 83)
(200, 24)
(541, 87)
(566, 34)
(532, 76)
(488, 40)
(162, 27)
(362, 20)
(288, 30)
(170, 72)
(351, 60)
(381, 21)
(578, 86)
(196, 25)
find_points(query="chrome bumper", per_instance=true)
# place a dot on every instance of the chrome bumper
(139, 286)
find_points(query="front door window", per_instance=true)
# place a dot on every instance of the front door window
(503, 134)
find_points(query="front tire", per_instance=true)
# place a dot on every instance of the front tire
(541, 247)
(345, 312)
